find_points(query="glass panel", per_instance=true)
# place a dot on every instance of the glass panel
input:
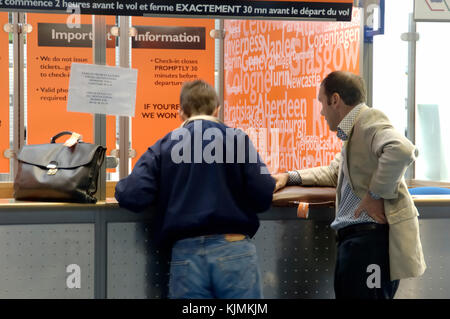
(166, 52)
(433, 106)
(390, 64)
(52, 47)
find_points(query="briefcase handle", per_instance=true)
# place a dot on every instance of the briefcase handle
(54, 138)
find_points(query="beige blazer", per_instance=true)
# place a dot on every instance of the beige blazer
(375, 158)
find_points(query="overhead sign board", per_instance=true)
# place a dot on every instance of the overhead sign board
(431, 10)
(339, 10)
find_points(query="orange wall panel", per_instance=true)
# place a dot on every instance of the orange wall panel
(272, 75)
(4, 95)
(162, 68)
(51, 48)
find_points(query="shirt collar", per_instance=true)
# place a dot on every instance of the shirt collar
(201, 117)
(346, 125)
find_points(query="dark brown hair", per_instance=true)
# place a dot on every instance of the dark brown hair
(349, 86)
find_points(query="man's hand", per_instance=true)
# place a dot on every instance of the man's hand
(281, 180)
(373, 207)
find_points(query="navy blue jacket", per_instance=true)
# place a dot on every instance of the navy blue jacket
(194, 199)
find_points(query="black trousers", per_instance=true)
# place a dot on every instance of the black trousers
(362, 266)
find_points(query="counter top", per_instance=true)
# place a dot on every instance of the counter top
(419, 200)
(430, 200)
(11, 202)
(288, 197)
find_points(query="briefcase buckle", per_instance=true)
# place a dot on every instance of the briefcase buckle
(52, 168)
(52, 171)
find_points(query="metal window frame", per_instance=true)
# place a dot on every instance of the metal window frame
(19, 93)
(411, 100)
(99, 58)
(124, 121)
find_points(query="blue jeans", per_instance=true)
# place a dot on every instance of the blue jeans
(212, 267)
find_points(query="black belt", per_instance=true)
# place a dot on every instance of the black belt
(358, 229)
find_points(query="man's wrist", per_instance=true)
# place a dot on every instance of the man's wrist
(294, 178)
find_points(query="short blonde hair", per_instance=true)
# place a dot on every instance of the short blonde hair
(198, 98)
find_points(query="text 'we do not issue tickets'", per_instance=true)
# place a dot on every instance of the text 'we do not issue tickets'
(102, 89)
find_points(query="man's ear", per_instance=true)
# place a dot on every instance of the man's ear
(217, 111)
(335, 99)
(182, 114)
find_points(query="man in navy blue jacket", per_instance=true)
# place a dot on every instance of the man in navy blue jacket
(208, 183)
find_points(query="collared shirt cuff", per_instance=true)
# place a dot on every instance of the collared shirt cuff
(294, 178)
(374, 196)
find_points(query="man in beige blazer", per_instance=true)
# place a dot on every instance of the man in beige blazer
(376, 220)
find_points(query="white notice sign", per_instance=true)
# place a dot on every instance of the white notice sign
(102, 89)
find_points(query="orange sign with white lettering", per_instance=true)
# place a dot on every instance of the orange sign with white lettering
(273, 71)
(52, 46)
(167, 53)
